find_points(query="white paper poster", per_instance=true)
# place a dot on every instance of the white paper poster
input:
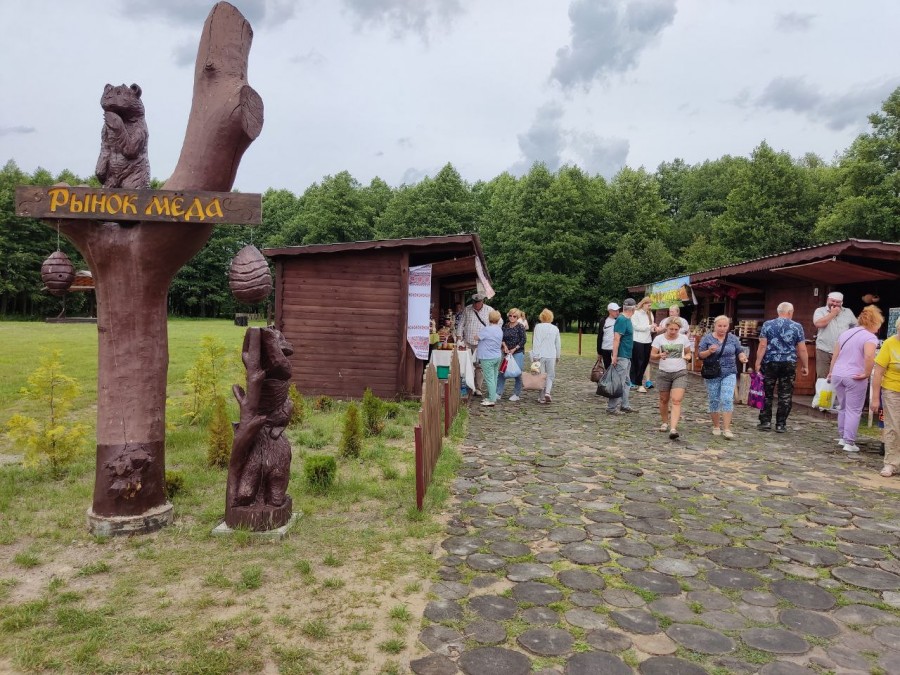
(418, 310)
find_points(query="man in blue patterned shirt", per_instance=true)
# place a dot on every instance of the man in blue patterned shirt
(781, 343)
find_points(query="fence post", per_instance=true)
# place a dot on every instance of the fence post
(420, 468)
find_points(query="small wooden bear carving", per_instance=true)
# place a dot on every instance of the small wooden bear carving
(123, 161)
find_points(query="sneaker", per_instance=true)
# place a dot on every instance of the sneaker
(542, 401)
(648, 384)
(478, 392)
(851, 447)
(888, 470)
(513, 398)
(673, 435)
(613, 412)
(487, 404)
(664, 426)
(628, 410)
(764, 426)
(642, 390)
(728, 434)
(840, 441)
(780, 429)
(547, 399)
(717, 431)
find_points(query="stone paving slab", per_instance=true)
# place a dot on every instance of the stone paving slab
(581, 542)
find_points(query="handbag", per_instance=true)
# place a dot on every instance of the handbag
(757, 396)
(534, 381)
(597, 370)
(712, 368)
(512, 368)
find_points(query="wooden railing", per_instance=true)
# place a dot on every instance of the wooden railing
(428, 433)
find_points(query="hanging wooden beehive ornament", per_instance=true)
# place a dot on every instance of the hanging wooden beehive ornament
(57, 273)
(249, 276)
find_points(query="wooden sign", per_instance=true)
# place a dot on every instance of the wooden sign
(63, 201)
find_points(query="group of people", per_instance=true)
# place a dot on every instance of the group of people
(630, 339)
(482, 329)
(845, 356)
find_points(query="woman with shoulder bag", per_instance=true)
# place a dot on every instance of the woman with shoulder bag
(719, 349)
(513, 344)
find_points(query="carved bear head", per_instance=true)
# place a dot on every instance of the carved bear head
(123, 100)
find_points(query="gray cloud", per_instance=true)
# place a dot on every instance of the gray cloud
(794, 22)
(422, 17)
(607, 36)
(185, 54)
(412, 176)
(605, 156)
(310, 58)
(543, 142)
(405, 142)
(16, 130)
(836, 111)
(192, 13)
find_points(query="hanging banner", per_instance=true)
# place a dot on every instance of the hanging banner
(418, 310)
(483, 285)
(670, 292)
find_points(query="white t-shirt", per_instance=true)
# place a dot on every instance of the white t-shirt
(674, 349)
(608, 333)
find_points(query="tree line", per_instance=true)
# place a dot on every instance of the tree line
(561, 239)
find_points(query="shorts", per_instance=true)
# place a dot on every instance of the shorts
(666, 381)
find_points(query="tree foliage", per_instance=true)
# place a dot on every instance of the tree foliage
(562, 239)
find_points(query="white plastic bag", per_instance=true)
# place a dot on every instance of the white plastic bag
(512, 368)
(824, 396)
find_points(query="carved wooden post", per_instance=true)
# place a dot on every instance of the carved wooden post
(133, 266)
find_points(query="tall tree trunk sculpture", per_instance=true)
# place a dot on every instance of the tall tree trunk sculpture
(134, 264)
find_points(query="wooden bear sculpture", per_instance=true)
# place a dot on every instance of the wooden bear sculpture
(123, 161)
(260, 465)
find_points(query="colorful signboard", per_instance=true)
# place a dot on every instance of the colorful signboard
(670, 292)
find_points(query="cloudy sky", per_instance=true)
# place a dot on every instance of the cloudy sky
(398, 88)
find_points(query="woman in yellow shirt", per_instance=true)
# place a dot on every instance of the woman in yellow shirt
(886, 395)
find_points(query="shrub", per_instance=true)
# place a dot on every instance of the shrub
(392, 410)
(50, 438)
(320, 471)
(299, 411)
(352, 437)
(324, 403)
(202, 379)
(220, 435)
(174, 484)
(373, 413)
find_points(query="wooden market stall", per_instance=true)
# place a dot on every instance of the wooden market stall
(344, 308)
(749, 292)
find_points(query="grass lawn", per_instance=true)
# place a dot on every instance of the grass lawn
(336, 596)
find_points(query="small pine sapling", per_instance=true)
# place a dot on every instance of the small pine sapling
(51, 437)
(298, 414)
(323, 403)
(220, 435)
(352, 436)
(320, 472)
(202, 379)
(373, 413)
(174, 484)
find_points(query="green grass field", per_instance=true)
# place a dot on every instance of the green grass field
(336, 596)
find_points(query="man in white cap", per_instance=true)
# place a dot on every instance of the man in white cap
(475, 317)
(605, 336)
(831, 320)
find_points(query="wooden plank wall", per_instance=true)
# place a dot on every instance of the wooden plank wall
(342, 315)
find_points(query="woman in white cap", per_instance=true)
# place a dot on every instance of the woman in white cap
(605, 335)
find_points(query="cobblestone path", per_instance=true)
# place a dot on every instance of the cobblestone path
(585, 543)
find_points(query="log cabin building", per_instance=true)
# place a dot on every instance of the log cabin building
(343, 307)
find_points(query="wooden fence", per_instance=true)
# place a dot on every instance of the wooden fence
(431, 428)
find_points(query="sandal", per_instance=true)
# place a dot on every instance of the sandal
(664, 426)
(888, 470)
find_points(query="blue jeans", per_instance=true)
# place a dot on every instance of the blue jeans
(624, 366)
(519, 358)
(720, 392)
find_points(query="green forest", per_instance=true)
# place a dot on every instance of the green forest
(565, 240)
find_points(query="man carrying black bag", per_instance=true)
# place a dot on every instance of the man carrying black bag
(620, 362)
